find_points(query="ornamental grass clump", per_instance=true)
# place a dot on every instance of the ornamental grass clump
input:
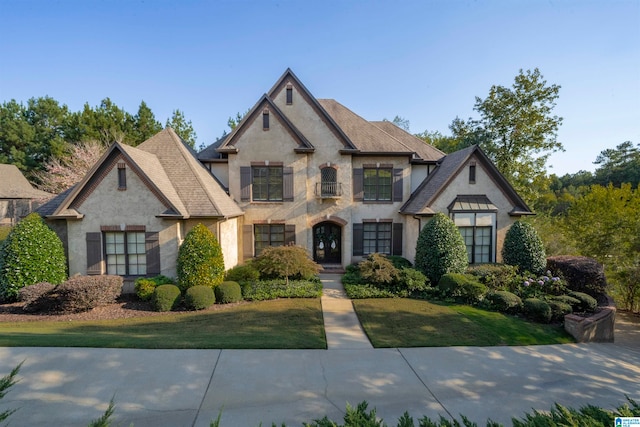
(30, 254)
(440, 249)
(200, 259)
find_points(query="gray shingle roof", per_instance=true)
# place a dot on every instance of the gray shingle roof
(422, 198)
(422, 149)
(200, 193)
(13, 185)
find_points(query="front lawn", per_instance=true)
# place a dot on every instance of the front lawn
(402, 322)
(278, 324)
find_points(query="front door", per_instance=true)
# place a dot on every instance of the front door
(327, 247)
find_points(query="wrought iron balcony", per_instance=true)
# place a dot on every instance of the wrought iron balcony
(328, 190)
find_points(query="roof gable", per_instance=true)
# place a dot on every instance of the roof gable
(265, 103)
(14, 185)
(450, 167)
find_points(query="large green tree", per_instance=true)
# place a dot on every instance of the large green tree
(145, 124)
(182, 127)
(517, 130)
(619, 165)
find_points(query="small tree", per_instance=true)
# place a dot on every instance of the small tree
(285, 262)
(32, 253)
(524, 248)
(200, 260)
(440, 249)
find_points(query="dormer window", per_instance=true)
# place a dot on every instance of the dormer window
(472, 173)
(265, 119)
(122, 176)
(289, 94)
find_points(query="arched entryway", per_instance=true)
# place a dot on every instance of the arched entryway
(327, 243)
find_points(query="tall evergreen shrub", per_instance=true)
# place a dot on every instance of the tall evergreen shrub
(440, 249)
(524, 249)
(200, 260)
(32, 253)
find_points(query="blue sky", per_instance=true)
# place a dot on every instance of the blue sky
(425, 61)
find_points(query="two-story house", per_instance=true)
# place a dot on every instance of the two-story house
(296, 170)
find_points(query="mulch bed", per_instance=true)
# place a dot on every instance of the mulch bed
(127, 306)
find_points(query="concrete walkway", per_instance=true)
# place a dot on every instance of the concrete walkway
(169, 388)
(341, 324)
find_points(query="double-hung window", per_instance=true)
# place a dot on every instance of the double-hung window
(378, 184)
(268, 235)
(376, 238)
(267, 183)
(125, 253)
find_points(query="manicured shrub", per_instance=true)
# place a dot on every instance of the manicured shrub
(83, 293)
(378, 270)
(145, 286)
(242, 273)
(200, 260)
(462, 287)
(537, 310)
(352, 275)
(503, 301)
(199, 297)
(582, 274)
(362, 291)
(440, 249)
(559, 309)
(166, 298)
(285, 262)
(31, 253)
(496, 276)
(523, 248)
(399, 262)
(34, 296)
(587, 303)
(228, 292)
(411, 282)
(566, 299)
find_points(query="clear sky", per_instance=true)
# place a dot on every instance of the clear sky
(425, 61)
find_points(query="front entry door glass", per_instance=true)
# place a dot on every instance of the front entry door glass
(327, 247)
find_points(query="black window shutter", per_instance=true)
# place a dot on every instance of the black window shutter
(94, 253)
(245, 183)
(152, 247)
(396, 248)
(289, 234)
(397, 185)
(247, 241)
(287, 184)
(358, 184)
(358, 237)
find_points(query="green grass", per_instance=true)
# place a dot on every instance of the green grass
(401, 322)
(285, 323)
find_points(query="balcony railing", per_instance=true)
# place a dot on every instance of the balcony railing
(328, 190)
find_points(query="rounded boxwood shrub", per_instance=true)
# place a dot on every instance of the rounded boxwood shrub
(199, 297)
(524, 248)
(411, 281)
(144, 288)
(228, 292)
(587, 303)
(496, 276)
(399, 262)
(559, 309)
(200, 260)
(166, 298)
(503, 301)
(440, 249)
(537, 310)
(242, 274)
(31, 253)
(463, 287)
(573, 302)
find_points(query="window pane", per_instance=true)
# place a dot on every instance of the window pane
(275, 183)
(384, 184)
(370, 184)
(467, 235)
(384, 238)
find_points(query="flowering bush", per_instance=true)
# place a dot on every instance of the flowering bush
(538, 287)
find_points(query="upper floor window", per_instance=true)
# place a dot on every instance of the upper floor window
(472, 173)
(378, 183)
(329, 182)
(265, 119)
(267, 183)
(122, 176)
(289, 94)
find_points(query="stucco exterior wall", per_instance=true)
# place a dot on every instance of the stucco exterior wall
(107, 205)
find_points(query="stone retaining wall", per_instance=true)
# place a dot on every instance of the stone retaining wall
(598, 327)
